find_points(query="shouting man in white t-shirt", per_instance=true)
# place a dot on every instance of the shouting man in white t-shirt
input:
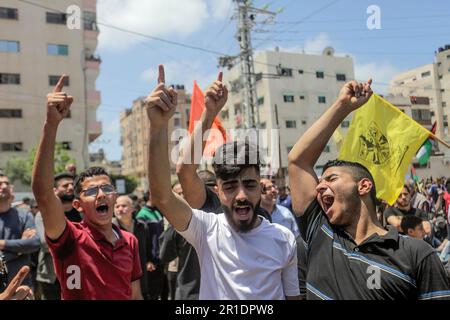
(241, 255)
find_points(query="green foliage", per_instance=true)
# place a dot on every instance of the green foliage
(18, 168)
(131, 182)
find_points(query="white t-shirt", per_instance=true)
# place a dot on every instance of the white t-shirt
(260, 264)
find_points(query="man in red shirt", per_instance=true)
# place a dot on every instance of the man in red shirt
(93, 259)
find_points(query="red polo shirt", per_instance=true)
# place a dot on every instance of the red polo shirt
(90, 267)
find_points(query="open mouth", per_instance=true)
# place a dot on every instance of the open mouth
(242, 211)
(327, 201)
(102, 209)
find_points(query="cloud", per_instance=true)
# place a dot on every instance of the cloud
(159, 18)
(313, 45)
(380, 72)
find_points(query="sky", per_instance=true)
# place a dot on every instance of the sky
(409, 34)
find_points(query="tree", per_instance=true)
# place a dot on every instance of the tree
(18, 168)
(130, 182)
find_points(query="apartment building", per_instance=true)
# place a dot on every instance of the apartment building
(36, 48)
(294, 90)
(135, 129)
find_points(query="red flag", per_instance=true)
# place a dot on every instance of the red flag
(217, 136)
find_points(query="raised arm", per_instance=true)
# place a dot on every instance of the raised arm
(58, 106)
(193, 187)
(161, 105)
(307, 150)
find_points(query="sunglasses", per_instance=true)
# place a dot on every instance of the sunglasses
(93, 192)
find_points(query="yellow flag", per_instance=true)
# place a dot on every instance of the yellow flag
(384, 140)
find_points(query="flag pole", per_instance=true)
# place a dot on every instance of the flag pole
(440, 140)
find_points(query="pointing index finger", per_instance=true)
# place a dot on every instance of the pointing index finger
(220, 76)
(161, 74)
(59, 86)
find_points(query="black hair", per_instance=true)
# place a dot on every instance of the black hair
(410, 222)
(232, 158)
(358, 171)
(63, 175)
(208, 177)
(407, 188)
(91, 172)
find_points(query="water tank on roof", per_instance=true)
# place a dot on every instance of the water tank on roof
(447, 47)
(328, 51)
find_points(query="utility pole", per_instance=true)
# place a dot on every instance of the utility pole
(246, 16)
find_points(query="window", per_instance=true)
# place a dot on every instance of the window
(288, 98)
(448, 57)
(9, 46)
(421, 114)
(53, 80)
(90, 21)
(262, 125)
(302, 97)
(345, 124)
(258, 76)
(177, 122)
(9, 13)
(444, 104)
(291, 124)
(260, 101)
(425, 74)
(439, 64)
(10, 113)
(322, 99)
(303, 122)
(319, 74)
(66, 145)
(300, 71)
(224, 114)
(327, 149)
(442, 90)
(341, 77)
(9, 78)
(285, 72)
(440, 77)
(58, 50)
(14, 146)
(55, 17)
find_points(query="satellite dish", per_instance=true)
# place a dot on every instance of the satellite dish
(328, 51)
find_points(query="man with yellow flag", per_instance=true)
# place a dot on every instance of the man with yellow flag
(350, 255)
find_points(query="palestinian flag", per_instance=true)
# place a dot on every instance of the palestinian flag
(423, 155)
(414, 175)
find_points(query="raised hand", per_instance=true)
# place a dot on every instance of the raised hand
(15, 291)
(355, 94)
(216, 96)
(162, 102)
(58, 103)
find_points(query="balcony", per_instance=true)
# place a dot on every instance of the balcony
(93, 62)
(94, 98)
(94, 130)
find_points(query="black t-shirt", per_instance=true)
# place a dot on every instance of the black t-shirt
(393, 211)
(387, 267)
(73, 215)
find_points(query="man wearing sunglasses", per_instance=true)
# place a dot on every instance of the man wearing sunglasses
(93, 259)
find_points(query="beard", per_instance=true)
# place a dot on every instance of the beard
(242, 225)
(66, 197)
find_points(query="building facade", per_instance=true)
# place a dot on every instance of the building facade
(39, 43)
(135, 129)
(293, 90)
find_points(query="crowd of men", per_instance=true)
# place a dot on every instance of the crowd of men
(229, 233)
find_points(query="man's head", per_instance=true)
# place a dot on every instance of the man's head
(269, 193)
(63, 187)
(71, 168)
(282, 192)
(5, 189)
(413, 227)
(176, 187)
(209, 179)
(404, 199)
(343, 189)
(33, 207)
(95, 196)
(236, 165)
(123, 208)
